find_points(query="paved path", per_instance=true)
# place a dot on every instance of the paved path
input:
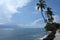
(57, 35)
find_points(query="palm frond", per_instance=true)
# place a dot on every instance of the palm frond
(38, 4)
(38, 8)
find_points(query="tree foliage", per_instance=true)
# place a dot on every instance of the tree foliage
(41, 5)
(49, 15)
(50, 25)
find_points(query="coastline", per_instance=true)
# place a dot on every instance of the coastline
(45, 35)
(57, 36)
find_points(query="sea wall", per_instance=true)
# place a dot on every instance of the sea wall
(51, 36)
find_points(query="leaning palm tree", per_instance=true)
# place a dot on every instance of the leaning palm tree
(49, 15)
(41, 5)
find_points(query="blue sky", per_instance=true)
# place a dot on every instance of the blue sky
(24, 14)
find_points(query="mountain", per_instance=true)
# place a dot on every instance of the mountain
(10, 26)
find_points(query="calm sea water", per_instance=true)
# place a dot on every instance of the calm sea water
(22, 34)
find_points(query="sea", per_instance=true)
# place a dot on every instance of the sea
(22, 33)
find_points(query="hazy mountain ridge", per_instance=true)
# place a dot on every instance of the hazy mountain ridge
(10, 26)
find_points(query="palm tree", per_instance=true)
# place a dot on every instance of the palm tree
(49, 15)
(41, 5)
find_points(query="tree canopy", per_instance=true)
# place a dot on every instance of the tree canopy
(49, 13)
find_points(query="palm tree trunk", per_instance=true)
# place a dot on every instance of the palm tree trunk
(43, 15)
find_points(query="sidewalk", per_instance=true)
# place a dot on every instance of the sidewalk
(57, 35)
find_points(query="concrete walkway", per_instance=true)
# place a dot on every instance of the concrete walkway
(57, 35)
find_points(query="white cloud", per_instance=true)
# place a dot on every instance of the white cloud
(1, 23)
(37, 20)
(56, 18)
(37, 8)
(31, 25)
(9, 7)
(34, 24)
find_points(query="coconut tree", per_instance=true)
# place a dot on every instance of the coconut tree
(40, 6)
(49, 15)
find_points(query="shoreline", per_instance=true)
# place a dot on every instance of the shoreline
(45, 35)
(57, 36)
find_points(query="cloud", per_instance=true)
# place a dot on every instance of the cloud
(34, 24)
(37, 20)
(9, 7)
(37, 8)
(38, 23)
(31, 25)
(1, 23)
(56, 18)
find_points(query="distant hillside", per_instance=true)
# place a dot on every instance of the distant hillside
(10, 26)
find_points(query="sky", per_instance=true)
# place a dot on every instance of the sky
(24, 13)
